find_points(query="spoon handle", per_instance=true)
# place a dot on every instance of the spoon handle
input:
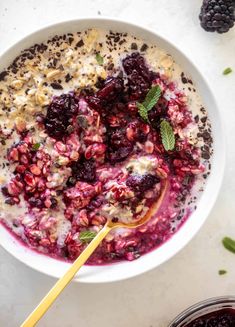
(51, 296)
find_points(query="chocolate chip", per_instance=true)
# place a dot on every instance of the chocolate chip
(144, 47)
(80, 43)
(14, 70)
(204, 119)
(117, 39)
(3, 75)
(68, 78)
(70, 39)
(184, 79)
(110, 66)
(10, 201)
(56, 86)
(134, 46)
(206, 135)
(196, 118)
(122, 41)
(206, 155)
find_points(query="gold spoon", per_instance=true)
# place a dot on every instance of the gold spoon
(51, 296)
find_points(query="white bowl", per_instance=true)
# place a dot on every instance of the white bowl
(122, 270)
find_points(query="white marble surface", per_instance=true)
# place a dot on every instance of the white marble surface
(154, 298)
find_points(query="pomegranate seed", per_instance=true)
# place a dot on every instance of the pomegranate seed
(47, 203)
(13, 189)
(40, 164)
(44, 170)
(19, 184)
(20, 169)
(130, 134)
(29, 179)
(14, 155)
(45, 242)
(17, 200)
(35, 170)
(149, 147)
(23, 148)
(41, 185)
(60, 147)
(68, 238)
(29, 189)
(177, 163)
(95, 150)
(132, 106)
(24, 160)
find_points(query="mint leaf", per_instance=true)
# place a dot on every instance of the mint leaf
(229, 244)
(227, 71)
(99, 59)
(167, 135)
(222, 272)
(152, 97)
(86, 236)
(36, 146)
(149, 102)
(143, 112)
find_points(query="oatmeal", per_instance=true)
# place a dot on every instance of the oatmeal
(91, 123)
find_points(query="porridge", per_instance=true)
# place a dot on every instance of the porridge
(91, 122)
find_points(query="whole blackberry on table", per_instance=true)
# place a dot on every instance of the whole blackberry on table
(217, 15)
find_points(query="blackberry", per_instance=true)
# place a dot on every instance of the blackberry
(83, 170)
(139, 75)
(59, 115)
(217, 15)
(142, 183)
(119, 147)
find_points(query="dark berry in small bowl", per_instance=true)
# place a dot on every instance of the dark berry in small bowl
(215, 312)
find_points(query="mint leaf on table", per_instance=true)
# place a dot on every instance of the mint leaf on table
(167, 135)
(227, 71)
(222, 272)
(149, 102)
(229, 244)
(87, 236)
(99, 59)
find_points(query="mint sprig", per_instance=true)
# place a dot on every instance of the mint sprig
(149, 102)
(36, 146)
(167, 135)
(99, 59)
(143, 112)
(86, 236)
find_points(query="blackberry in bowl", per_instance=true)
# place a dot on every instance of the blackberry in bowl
(214, 312)
(92, 125)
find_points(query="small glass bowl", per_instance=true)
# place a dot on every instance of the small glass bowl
(202, 308)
